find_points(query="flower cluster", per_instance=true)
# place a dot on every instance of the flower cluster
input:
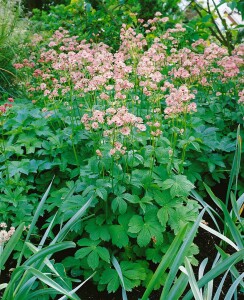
(6, 106)
(116, 125)
(4, 234)
(178, 102)
(143, 73)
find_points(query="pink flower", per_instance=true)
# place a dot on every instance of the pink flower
(125, 130)
(141, 127)
(2, 108)
(95, 125)
(112, 151)
(99, 153)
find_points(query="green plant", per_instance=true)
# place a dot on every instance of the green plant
(39, 265)
(9, 19)
(206, 22)
(203, 288)
(232, 222)
(137, 130)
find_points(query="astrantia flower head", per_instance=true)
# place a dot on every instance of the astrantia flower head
(4, 234)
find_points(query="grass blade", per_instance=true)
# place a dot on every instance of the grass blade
(34, 220)
(219, 235)
(220, 287)
(179, 287)
(228, 221)
(180, 257)
(202, 267)
(49, 250)
(209, 209)
(48, 291)
(47, 262)
(60, 236)
(165, 262)
(11, 245)
(48, 281)
(119, 271)
(235, 167)
(233, 287)
(192, 281)
(217, 270)
(42, 242)
(78, 287)
(233, 269)
(3, 286)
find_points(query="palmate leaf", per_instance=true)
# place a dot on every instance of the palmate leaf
(182, 215)
(120, 204)
(148, 229)
(154, 254)
(119, 236)
(119, 232)
(133, 274)
(179, 186)
(98, 231)
(93, 251)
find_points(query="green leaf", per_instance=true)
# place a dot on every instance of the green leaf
(67, 227)
(136, 224)
(148, 229)
(131, 198)
(163, 215)
(34, 220)
(103, 253)
(144, 237)
(183, 214)
(11, 245)
(165, 262)
(81, 253)
(44, 252)
(102, 193)
(119, 271)
(179, 186)
(97, 231)
(47, 280)
(119, 235)
(192, 281)
(217, 270)
(93, 259)
(179, 257)
(111, 278)
(120, 204)
(154, 254)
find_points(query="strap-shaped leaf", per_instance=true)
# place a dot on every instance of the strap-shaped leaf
(165, 262)
(180, 257)
(217, 270)
(11, 245)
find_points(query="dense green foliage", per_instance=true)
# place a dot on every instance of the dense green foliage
(130, 115)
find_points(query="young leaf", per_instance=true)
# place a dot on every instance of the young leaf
(179, 186)
(148, 229)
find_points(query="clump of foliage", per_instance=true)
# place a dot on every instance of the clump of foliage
(38, 275)
(204, 23)
(135, 130)
(9, 22)
(98, 21)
